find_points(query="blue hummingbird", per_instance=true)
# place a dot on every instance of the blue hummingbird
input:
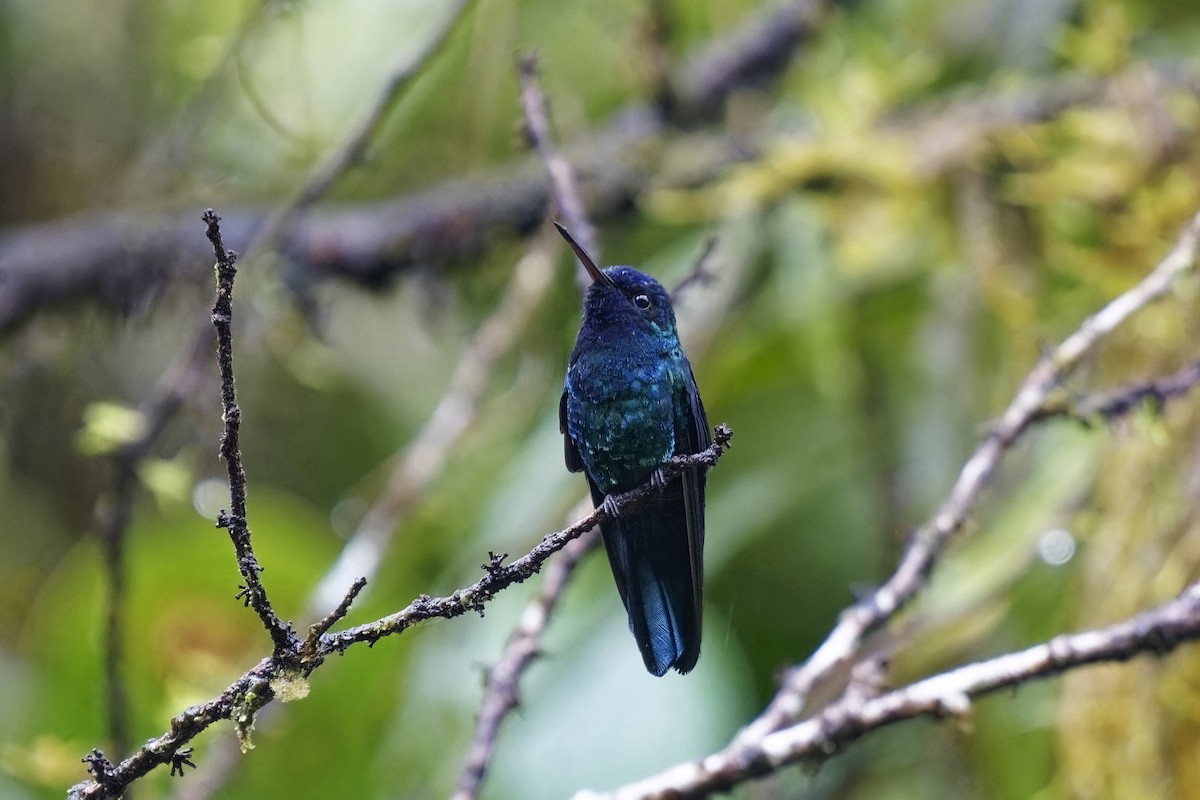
(629, 405)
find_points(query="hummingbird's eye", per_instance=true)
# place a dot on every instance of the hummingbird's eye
(642, 301)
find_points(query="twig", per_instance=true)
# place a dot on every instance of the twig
(1111, 405)
(1157, 632)
(354, 147)
(321, 627)
(565, 187)
(234, 520)
(252, 691)
(170, 147)
(700, 273)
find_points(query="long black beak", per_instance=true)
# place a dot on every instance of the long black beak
(585, 259)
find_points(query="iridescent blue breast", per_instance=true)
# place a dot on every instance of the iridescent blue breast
(620, 414)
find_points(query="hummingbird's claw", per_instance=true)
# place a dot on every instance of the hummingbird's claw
(610, 506)
(658, 479)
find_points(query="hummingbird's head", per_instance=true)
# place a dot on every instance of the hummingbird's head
(624, 297)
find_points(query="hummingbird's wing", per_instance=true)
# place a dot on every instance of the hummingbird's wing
(692, 435)
(571, 453)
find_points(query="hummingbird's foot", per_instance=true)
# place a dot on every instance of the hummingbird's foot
(610, 506)
(658, 479)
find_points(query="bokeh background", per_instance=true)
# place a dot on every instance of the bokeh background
(910, 205)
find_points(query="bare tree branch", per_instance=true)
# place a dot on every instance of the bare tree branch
(562, 177)
(700, 273)
(235, 520)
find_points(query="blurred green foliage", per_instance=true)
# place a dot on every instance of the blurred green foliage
(884, 282)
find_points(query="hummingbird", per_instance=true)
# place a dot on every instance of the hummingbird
(630, 403)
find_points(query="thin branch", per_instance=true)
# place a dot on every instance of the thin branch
(251, 692)
(927, 543)
(113, 513)
(562, 176)
(1112, 405)
(109, 781)
(354, 148)
(757, 51)
(235, 520)
(1156, 632)
(321, 627)
(700, 274)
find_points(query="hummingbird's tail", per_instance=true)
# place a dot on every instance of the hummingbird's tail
(658, 574)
